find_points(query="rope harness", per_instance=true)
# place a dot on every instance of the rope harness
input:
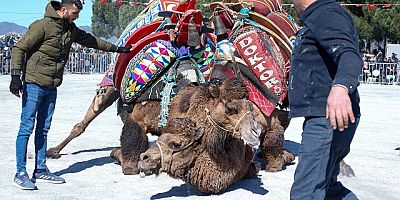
(159, 144)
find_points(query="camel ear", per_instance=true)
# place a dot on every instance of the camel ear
(233, 88)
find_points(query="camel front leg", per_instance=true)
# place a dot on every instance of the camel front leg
(105, 97)
(134, 141)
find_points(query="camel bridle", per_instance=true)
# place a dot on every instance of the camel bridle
(160, 144)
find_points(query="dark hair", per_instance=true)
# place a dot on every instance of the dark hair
(77, 3)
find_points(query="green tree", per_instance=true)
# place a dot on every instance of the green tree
(104, 19)
(377, 24)
(126, 14)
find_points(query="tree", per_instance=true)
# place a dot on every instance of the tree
(374, 23)
(126, 14)
(104, 19)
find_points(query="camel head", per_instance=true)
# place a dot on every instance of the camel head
(222, 123)
(233, 112)
(174, 149)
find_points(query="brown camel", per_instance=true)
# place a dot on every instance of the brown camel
(207, 143)
(211, 107)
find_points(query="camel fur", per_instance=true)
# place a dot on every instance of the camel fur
(208, 152)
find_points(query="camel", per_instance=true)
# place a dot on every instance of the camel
(214, 108)
(209, 139)
(208, 158)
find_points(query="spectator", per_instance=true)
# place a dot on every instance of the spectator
(394, 58)
(46, 54)
(379, 56)
(323, 89)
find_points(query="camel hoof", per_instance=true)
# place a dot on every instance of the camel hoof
(253, 170)
(53, 153)
(275, 165)
(116, 154)
(288, 157)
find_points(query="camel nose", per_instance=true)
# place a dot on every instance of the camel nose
(144, 156)
(256, 128)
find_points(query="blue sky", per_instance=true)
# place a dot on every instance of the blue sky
(24, 12)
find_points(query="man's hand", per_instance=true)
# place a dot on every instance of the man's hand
(16, 85)
(338, 108)
(126, 49)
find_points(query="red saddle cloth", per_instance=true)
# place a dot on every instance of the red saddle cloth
(262, 56)
(146, 34)
(255, 95)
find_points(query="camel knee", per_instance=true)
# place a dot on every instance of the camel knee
(78, 129)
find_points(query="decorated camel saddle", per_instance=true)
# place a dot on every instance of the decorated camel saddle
(176, 39)
(159, 54)
(258, 40)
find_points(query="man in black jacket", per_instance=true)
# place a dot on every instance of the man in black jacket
(326, 65)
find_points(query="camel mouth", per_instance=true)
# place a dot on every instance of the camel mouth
(252, 138)
(146, 169)
(145, 173)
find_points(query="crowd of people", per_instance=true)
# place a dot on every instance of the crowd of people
(82, 60)
(7, 41)
(86, 60)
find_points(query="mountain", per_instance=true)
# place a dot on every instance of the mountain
(87, 29)
(7, 27)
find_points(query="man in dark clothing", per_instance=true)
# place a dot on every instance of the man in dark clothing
(38, 59)
(326, 65)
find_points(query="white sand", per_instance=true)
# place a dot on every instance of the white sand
(91, 174)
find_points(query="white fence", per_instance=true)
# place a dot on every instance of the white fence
(78, 63)
(380, 73)
(88, 63)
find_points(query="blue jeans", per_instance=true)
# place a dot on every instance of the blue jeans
(37, 103)
(321, 151)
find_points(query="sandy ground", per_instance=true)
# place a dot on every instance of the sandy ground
(91, 174)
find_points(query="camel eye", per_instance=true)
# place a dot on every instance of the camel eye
(231, 108)
(175, 145)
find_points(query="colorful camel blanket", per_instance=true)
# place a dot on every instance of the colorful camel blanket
(146, 67)
(148, 15)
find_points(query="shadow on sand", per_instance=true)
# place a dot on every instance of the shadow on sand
(93, 150)
(80, 166)
(253, 185)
